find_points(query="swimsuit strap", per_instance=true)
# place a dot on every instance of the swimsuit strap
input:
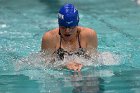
(79, 39)
(60, 39)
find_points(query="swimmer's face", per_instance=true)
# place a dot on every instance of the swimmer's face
(69, 32)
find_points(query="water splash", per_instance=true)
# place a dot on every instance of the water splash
(44, 61)
(108, 58)
(38, 66)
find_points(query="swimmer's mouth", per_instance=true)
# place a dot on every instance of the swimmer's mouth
(67, 35)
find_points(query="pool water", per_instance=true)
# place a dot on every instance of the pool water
(22, 24)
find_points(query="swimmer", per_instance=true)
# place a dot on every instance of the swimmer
(69, 38)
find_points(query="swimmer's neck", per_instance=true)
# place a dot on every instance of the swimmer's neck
(73, 40)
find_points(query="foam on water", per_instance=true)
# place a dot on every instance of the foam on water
(39, 60)
(38, 66)
(108, 58)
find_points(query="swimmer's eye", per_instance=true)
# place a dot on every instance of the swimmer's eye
(62, 27)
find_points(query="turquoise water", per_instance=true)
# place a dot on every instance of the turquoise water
(22, 24)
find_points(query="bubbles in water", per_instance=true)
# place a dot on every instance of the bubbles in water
(41, 65)
(2, 24)
(138, 2)
(33, 61)
(45, 61)
(108, 58)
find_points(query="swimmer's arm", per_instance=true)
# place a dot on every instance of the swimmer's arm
(92, 42)
(47, 47)
(47, 44)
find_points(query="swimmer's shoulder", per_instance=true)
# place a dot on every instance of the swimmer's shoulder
(51, 33)
(86, 32)
(89, 36)
(50, 39)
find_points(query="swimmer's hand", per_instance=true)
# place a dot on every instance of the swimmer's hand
(74, 66)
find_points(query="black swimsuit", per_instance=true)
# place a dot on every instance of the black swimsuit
(61, 52)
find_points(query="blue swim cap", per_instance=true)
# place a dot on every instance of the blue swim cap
(68, 16)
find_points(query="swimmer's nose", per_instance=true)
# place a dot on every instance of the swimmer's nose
(67, 30)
